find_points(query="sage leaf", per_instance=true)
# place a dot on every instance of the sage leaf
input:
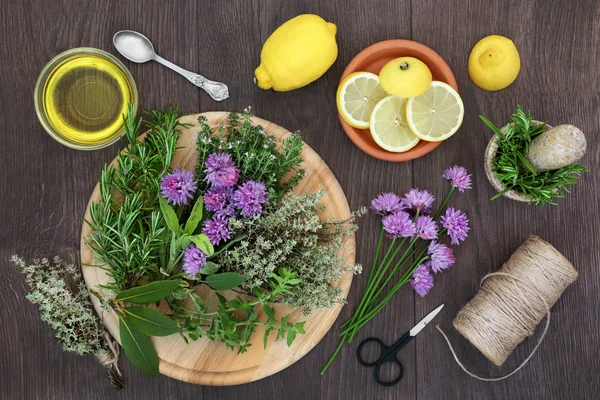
(209, 269)
(224, 281)
(150, 322)
(169, 216)
(149, 293)
(195, 217)
(138, 348)
(203, 243)
(185, 241)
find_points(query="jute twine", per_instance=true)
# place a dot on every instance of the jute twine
(513, 301)
(109, 358)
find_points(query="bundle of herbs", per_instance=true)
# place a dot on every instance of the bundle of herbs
(232, 223)
(515, 172)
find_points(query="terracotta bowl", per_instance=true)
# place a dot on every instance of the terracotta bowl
(372, 59)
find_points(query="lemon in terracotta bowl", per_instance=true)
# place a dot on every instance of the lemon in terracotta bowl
(372, 60)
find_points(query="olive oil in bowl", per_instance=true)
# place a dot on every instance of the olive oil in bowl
(81, 97)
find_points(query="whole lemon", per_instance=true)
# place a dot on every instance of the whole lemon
(405, 77)
(494, 63)
(297, 53)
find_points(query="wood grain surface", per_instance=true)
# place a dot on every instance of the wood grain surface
(44, 187)
(202, 361)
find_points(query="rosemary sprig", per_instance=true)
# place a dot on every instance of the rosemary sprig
(513, 169)
(129, 230)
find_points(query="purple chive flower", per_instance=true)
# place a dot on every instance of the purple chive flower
(194, 259)
(418, 200)
(426, 227)
(457, 225)
(399, 225)
(226, 212)
(220, 170)
(459, 177)
(422, 280)
(178, 187)
(440, 256)
(250, 197)
(386, 204)
(216, 230)
(216, 197)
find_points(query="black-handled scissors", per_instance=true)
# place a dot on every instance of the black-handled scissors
(388, 354)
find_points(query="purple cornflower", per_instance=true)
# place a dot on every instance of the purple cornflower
(440, 256)
(220, 170)
(426, 227)
(422, 280)
(216, 197)
(216, 230)
(250, 197)
(418, 200)
(386, 204)
(178, 187)
(459, 177)
(457, 225)
(399, 225)
(194, 259)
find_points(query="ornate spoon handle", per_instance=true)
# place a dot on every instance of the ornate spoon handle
(217, 90)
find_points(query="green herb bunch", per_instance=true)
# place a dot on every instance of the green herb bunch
(140, 239)
(515, 172)
(254, 152)
(60, 292)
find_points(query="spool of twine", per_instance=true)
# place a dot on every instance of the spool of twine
(513, 301)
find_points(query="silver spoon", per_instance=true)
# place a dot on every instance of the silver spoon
(137, 48)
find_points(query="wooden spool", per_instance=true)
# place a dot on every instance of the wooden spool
(203, 362)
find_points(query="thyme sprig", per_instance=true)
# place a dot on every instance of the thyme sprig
(515, 172)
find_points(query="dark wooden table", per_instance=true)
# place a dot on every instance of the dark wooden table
(44, 186)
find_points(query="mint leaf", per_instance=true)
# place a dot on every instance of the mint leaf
(209, 269)
(149, 293)
(290, 337)
(195, 216)
(224, 281)
(150, 322)
(138, 348)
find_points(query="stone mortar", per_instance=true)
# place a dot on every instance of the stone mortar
(490, 153)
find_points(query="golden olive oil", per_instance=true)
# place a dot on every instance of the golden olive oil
(85, 97)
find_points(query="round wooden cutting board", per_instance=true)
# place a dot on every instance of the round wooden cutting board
(203, 362)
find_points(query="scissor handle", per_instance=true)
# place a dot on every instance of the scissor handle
(388, 355)
(389, 359)
(382, 348)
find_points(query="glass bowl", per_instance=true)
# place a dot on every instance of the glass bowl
(90, 61)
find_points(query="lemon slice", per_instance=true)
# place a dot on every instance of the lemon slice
(436, 114)
(389, 127)
(356, 96)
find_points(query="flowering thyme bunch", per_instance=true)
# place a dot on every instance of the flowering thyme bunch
(64, 301)
(410, 225)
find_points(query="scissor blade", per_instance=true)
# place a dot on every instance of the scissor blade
(427, 319)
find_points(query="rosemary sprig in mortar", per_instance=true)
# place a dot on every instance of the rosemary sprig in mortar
(516, 173)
